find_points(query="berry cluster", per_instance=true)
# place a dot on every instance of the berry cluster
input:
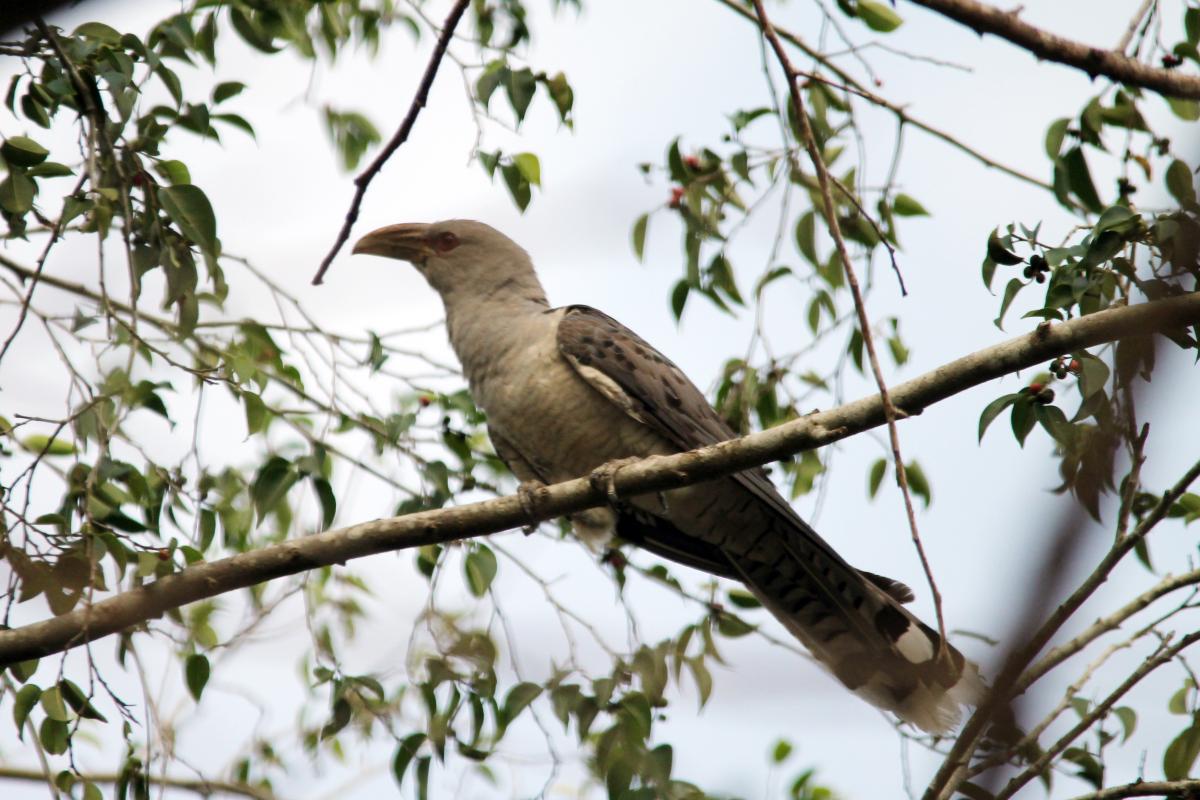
(1037, 268)
(1059, 367)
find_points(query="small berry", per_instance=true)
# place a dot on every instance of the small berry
(692, 162)
(1034, 388)
(1045, 396)
(676, 196)
(1029, 272)
(163, 554)
(1170, 61)
(1040, 277)
(1075, 366)
(424, 400)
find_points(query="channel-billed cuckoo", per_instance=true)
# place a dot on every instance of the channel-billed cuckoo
(567, 390)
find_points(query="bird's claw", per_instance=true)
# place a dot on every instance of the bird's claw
(529, 493)
(604, 477)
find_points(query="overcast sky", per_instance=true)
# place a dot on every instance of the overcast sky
(644, 73)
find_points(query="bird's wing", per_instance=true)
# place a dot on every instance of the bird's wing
(654, 391)
(853, 622)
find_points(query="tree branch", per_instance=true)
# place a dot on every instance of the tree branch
(650, 475)
(200, 786)
(398, 138)
(1051, 47)
(1184, 788)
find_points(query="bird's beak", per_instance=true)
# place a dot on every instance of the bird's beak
(407, 241)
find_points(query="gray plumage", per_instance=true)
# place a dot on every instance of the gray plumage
(567, 390)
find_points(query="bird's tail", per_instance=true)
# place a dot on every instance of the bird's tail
(856, 626)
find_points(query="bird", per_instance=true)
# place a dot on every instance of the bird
(568, 390)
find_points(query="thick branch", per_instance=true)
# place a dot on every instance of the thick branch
(1094, 61)
(398, 138)
(649, 475)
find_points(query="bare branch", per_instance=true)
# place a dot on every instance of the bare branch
(1045, 45)
(205, 788)
(650, 475)
(398, 138)
(1184, 788)
(860, 307)
(902, 116)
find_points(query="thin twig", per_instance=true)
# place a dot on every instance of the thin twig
(889, 409)
(401, 135)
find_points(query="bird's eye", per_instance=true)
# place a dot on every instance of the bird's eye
(445, 242)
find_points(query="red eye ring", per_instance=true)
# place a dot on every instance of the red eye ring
(444, 242)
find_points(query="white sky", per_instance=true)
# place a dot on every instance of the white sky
(644, 73)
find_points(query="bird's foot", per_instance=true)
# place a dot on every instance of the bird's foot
(530, 494)
(604, 477)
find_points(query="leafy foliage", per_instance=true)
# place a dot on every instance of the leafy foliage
(93, 504)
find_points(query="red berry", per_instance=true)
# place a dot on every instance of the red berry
(1034, 388)
(1074, 366)
(424, 400)
(692, 162)
(676, 196)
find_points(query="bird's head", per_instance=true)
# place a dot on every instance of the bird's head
(455, 256)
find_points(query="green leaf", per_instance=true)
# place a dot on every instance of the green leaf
(1184, 109)
(999, 253)
(993, 409)
(196, 671)
(806, 237)
(98, 31)
(781, 751)
(733, 626)
(16, 193)
(38, 443)
(257, 415)
(639, 235)
(702, 677)
(52, 703)
(518, 187)
(26, 698)
(188, 206)
(54, 735)
(1055, 135)
(1128, 719)
(225, 90)
(271, 484)
(1079, 180)
(49, 169)
(918, 483)
(480, 567)
(1181, 754)
(1010, 292)
(879, 17)
(517, 700)
(530, 167)
(907, 206)
(1023, 418)
(679, 296)
(520, 87)
(743, 599)
(878, 469)
(1180, 183)
(23, 151)
(405, 752)
(78, 701)
(327, 500)
(176, 172)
